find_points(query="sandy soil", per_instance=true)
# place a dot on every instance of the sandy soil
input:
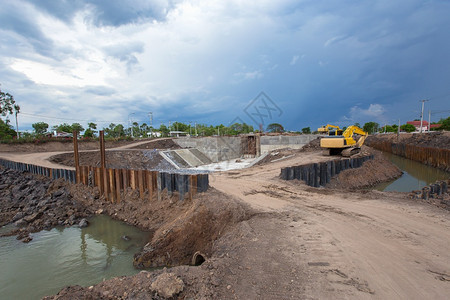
(275, 239)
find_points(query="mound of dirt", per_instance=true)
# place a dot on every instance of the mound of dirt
(276, 155)
(314, 145)
(369, 174)
(159, 144)
(118, 159)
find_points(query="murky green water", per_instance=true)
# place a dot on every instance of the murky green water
(67, 256)
(415, 175)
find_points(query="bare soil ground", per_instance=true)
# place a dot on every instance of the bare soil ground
(266, 238)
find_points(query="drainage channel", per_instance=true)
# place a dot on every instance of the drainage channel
(415, 175)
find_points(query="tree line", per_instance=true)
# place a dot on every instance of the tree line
(8, 106)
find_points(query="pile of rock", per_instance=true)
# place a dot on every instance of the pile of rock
(33, 203)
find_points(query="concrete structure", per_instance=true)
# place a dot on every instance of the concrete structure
(270, 143)
(220, 148)
(215, 148)
(185, 158)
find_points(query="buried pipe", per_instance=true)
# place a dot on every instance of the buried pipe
(198, 258)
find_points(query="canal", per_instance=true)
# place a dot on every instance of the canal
(415, 175)
(68, 256)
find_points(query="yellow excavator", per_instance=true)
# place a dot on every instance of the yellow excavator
(344, 144)
(326, 130)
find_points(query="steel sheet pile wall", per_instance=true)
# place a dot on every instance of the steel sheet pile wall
(68, 175)
(319, 174)
(434, 190)
(113, 182)
(435, 157)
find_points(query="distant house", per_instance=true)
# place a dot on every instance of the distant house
(154, 134)
(62, 134)
(417, 125)
(435, 125)
(177, 133)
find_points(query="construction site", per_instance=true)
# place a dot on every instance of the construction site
(246, 217)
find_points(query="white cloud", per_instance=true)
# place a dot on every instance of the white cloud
(294, 60)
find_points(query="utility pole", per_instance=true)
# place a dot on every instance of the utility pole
(429, 120)
(398, 129)
(196, 129)
(151, 124)
(421, 115)
(190, 131)
(17, 127)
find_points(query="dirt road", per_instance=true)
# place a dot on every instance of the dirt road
(320, 243)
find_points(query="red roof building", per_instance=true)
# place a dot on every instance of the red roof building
(417, 125)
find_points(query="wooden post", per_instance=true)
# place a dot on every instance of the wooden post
(141, 183)
(118, 185)
(132, 179)
(102, 149)
(112, 184)
(98, 179)
(105, 183)
(149, 184)
(158, 184)
(125, 180)
(76, 156)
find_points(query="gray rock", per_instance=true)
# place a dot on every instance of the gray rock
(18, 216)
(126, 238)
(20, 223)
(83, 223)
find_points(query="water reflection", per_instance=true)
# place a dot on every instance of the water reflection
(67, 256)
(415, 175)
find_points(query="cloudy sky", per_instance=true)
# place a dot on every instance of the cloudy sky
(298, 63)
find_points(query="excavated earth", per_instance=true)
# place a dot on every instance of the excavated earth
(255, 236)
(436, 139)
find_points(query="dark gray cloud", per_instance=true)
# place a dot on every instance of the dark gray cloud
(12, 18)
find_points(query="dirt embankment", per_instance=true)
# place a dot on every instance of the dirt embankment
(438, 139)
(432, 149)
(118, 159)
(371, 173)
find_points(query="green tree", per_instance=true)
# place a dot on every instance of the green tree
(275, 127)
(8, 106)
(77, 127)
(6, 130)
(7, 103)
(306, 130)
(371, 127)
(63, 128)
(445, 124)
(90, 132)
(40, 127)
(164, 130)
(408, 128)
